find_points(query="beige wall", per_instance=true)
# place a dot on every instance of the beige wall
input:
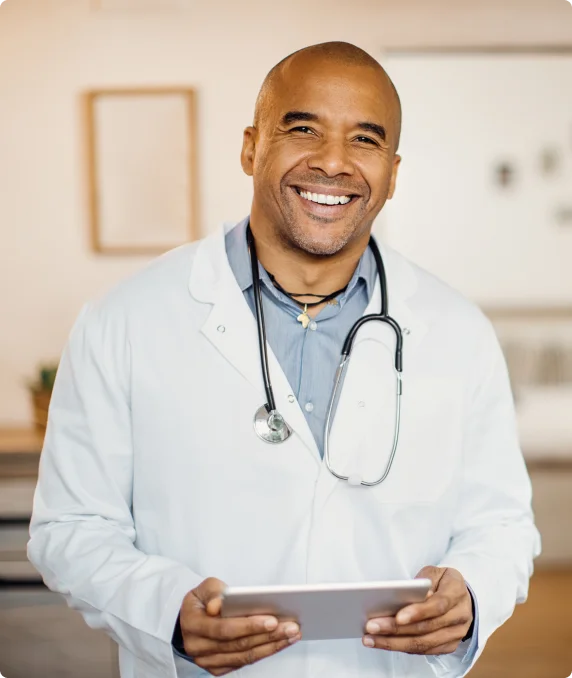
(50, 50)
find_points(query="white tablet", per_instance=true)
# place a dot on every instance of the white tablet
(326, 611)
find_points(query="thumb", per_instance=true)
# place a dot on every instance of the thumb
(434, 574)
(209, 594)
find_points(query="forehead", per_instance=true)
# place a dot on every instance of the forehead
(334, 91)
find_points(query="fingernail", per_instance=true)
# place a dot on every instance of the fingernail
(368, 642)
(270, 624)
(291, 630)
(372, 627)
(295, 639)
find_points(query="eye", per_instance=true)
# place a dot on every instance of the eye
(304, 130)
(366, 140)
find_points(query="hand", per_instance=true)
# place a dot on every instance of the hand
(435, 626)
(222, 645)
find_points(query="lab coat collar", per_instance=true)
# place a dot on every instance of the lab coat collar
(231, 326)
(211, 270)
(402, 283)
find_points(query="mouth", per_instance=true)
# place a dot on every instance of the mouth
(329, 198)
(331, 203)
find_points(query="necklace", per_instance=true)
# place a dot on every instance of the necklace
(304, 318)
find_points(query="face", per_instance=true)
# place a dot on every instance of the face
(323, 155)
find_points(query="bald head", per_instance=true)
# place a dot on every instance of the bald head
(323, 149)
(342, 53)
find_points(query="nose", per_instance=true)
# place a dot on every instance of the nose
(331, 158)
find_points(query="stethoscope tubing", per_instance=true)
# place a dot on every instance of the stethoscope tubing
(383, 316)
(270, 402)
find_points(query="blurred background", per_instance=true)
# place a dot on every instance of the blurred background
(120, 132)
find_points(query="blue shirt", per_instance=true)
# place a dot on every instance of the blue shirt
(309, 357)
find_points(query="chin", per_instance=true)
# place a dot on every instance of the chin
(319, 243)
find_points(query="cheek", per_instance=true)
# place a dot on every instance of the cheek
(273, 163)
(377, 175)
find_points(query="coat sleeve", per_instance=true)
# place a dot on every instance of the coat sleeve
(82, 533)
(494, 539)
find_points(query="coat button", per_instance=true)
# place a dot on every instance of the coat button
(221, 328)
(291, 398)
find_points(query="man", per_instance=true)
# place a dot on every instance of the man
(155, 490)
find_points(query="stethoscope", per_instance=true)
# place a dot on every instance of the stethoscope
(270, 425)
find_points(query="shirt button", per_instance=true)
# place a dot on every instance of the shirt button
(313, 325)
(309, 407)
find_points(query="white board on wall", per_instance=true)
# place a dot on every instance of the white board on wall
(463, 115)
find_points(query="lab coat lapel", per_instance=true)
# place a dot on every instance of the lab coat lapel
(348, 429)
(231, 327)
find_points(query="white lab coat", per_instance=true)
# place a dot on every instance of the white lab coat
(152, 478)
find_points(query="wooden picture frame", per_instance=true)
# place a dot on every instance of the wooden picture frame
(141, 169)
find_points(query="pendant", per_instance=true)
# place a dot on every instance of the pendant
(304, 318)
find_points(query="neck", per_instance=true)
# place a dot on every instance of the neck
(299, 271)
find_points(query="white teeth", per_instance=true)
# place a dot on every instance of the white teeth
(323, 199)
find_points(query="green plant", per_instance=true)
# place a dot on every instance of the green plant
(45, 377)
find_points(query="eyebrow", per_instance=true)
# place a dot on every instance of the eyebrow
(374, 129)
(297, 116)
(305, 116)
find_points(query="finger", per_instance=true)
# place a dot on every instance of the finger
(237, 659)
(231, 628)
(197, 646)
(388, 626)
(415, 644)
(449, 594)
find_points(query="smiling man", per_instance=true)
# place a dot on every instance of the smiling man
(163, 479)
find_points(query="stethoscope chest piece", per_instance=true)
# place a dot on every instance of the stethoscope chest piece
(271, 426)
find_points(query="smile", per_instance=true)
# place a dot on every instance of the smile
(324, 198)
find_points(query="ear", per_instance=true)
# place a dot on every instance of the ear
(248, 150)
(394, 171)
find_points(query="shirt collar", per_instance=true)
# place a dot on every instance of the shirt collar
(239, 260)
